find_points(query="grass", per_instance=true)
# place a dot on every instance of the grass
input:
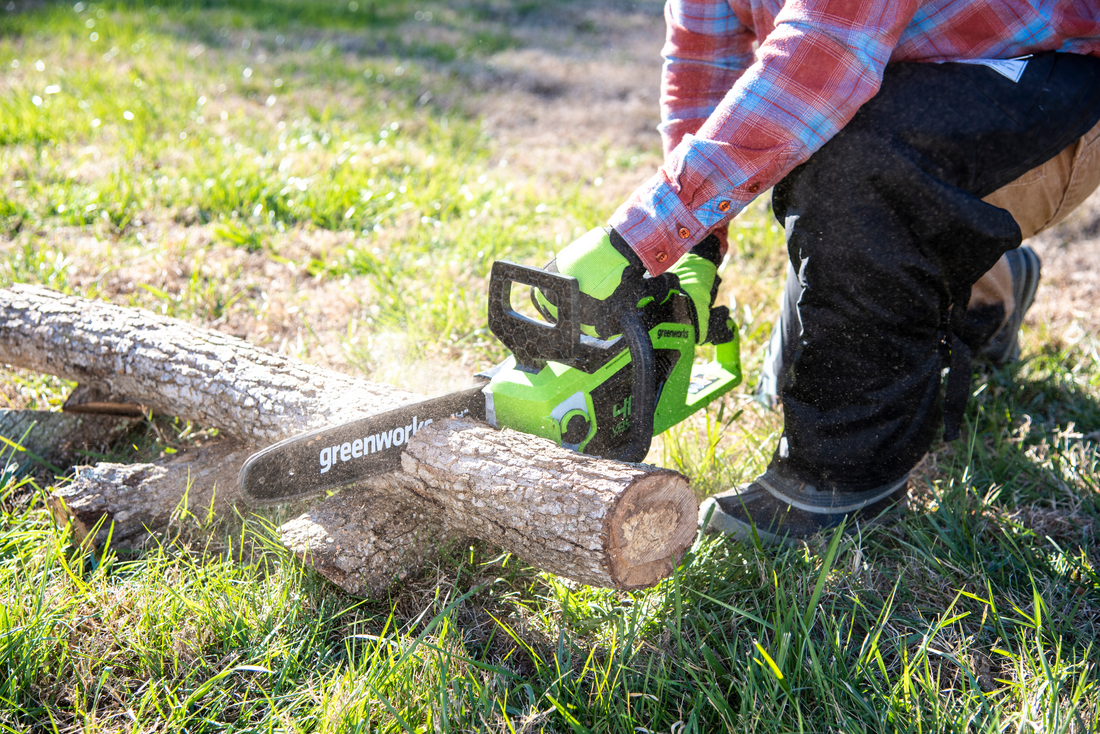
(327, 206)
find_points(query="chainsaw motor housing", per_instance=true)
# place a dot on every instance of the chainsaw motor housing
(582, 392)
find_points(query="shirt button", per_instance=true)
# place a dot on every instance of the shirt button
(723, 206)
(684, 233)
(754, 187)
(661, 257)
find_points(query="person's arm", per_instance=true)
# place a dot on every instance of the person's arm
(824, 59)
(707, 49)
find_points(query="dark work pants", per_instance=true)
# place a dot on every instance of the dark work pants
(886, 230)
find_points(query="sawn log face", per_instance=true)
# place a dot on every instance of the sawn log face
(601, 522)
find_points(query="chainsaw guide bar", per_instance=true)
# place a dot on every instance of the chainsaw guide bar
(328, 458)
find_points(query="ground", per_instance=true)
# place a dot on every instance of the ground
(1066, 302)
(342, 187)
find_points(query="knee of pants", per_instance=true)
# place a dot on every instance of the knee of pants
(849, 228)
(874, 292)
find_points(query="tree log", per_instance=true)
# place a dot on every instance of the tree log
(128, 501)
(363, 541)
(124, 357)
(174, 368)
(596, 521)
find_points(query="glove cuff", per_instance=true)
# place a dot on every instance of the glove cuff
(710, 248)
(623, 248)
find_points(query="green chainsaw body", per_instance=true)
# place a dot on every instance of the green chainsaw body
(587, 401)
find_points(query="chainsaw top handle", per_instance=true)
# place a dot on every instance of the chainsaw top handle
(533, 342)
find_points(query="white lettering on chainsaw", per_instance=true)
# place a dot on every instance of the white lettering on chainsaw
(367, 445)
(384, 439)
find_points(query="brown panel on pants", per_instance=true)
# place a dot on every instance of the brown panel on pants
(1038, 200)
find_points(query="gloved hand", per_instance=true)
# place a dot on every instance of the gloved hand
(610, 276)
(697, 276)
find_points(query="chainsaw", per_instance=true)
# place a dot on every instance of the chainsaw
(601, 397)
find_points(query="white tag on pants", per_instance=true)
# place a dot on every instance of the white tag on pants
(1009, 68)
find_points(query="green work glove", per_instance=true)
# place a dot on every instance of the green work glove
(697, 275)
(610, 276)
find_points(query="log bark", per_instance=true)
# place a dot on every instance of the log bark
(596, 521)
(128, 501)
(174, 368)
(125, 358)
(364, 541)
(599, 522)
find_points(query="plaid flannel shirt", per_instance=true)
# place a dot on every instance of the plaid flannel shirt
(735, 122)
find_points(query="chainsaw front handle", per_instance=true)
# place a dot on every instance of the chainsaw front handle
(533, 342)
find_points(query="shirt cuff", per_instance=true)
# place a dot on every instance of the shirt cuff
(673, 131)
(660, 229)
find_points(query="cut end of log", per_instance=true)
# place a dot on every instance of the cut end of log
(652, 526)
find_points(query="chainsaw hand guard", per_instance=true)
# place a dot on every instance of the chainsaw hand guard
(533, 343)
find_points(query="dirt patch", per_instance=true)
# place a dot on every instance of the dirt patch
(1067, 298)
(582, 88)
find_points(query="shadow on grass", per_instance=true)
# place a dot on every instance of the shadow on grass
(1013, 511)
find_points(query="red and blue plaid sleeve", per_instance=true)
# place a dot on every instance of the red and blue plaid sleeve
(821, 62)
(707, 49)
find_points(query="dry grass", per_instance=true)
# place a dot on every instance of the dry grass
(1066, 303)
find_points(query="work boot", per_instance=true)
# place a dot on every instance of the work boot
(1004, 346)
(781, 509)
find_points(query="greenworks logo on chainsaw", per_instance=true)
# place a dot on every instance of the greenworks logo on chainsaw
(674, 333)
(368, 445)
